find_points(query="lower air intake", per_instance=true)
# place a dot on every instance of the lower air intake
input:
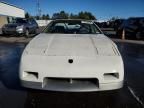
(71, 83)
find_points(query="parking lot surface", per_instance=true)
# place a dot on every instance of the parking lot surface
(12, 95)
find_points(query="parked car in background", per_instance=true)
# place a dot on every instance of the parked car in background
(102, 24)
(72, 55)
(20, 26)
(117, 23)
(134, 28)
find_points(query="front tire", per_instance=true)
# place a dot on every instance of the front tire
(36, 31)
(27, 33)
(3, 33)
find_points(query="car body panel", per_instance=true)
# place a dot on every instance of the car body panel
(69, 45)
(71, 62)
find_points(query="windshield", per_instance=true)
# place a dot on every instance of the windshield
(19, 20)
(72, 27)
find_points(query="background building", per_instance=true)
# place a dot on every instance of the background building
(8, 12)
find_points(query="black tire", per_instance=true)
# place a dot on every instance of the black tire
(27, 34)
(36, 31)
(3, 33)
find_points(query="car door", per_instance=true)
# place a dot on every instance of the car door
(30, 26)
(34, 24)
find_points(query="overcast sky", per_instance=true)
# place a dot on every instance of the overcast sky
(102, 9)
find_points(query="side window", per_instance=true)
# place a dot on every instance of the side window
(85, 28)
(131, 22)
(134, 22)
(33, 21)
(142, 22)
(59, 28)
(60, 24)
(29, 21)
(72, 26)
(93, 29)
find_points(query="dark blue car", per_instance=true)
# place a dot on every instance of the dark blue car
(134, 28)
(20, 26)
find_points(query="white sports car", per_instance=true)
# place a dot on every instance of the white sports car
(72, 55)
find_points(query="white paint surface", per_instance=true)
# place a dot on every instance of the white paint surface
(93, 56)
(9, 10)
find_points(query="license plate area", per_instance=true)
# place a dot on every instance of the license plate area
(71, 83)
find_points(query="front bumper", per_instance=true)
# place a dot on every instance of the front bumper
(12, 31)
(72, 87)
(85, 74)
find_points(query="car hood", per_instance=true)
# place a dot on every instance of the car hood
(13, 25)
(87, 45)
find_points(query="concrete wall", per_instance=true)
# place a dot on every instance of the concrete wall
(10, 10)
(3, 20)
(43, 22)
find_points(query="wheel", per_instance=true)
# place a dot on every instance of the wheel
(3, 33)
(36, 31)
(138, 35)
(27, 33)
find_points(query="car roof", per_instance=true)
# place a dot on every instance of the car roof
(71, 20)
(135, 18)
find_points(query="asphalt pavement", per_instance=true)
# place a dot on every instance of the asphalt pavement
(12, 95)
